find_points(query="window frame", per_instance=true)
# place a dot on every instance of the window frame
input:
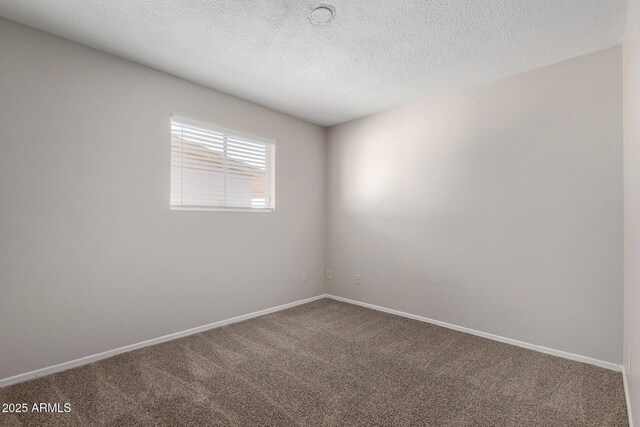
(232, 132)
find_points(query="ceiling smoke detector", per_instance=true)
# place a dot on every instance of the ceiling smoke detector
(322, 14)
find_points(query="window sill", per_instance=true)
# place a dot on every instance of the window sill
(219, 209)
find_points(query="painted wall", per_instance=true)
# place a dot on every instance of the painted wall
(632, 206)
(498, 209)
(91, 257)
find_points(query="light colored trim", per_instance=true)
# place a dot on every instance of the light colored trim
(218, 208)
(94, 358)
(627, 396)
(539, 348)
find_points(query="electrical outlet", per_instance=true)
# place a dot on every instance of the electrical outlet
(305, 277)
(357, 279)
(328, 274)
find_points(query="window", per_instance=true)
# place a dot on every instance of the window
(216, 168)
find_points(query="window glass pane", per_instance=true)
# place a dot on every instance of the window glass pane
(212, 167)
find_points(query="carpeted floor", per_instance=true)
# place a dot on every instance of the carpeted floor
(328, 363)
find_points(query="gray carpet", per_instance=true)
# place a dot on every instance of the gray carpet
(328, 363)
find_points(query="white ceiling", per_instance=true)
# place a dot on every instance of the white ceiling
(375, 54)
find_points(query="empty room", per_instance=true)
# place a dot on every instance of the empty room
(336, 213)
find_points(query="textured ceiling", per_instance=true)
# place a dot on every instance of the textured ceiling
(375, 54)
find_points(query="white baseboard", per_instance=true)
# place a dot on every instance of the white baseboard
(627, 396)
(539, 348)
(95, 357)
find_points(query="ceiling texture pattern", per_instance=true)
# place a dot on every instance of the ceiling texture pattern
(374, 54)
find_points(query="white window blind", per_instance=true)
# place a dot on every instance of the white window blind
(217, 168)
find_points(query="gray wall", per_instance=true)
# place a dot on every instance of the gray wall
(497, 209)
(632, 205)
(91, 257)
